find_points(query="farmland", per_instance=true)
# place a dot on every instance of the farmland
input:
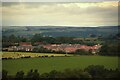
(58, 63)
(23, 54)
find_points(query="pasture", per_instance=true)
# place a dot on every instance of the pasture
(57, 63)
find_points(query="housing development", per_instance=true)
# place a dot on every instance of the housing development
(67, 48)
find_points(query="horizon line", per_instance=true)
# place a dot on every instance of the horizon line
(58, 26)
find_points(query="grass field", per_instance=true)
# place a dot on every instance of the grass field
(57, 63)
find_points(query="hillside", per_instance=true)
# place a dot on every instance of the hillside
(58, 31)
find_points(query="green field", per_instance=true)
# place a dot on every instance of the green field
(58, 63)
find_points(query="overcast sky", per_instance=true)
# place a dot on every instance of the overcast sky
(60, 14)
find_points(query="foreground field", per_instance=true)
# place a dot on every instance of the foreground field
(58, 63)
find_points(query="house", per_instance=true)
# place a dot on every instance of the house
(70, 49)
(25, 46)
(96, 48)
(12, 48)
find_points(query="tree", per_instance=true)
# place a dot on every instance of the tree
(54, 74)
(41, 50)
(81, 52)
(30, 74)
(6, 42)
(36, 75)
(110, 50)
(44, 76)
(96, 71)
(90, 52)
(19, 75)
(4, 74)
(13, 39)
(92, 35)
(76, 73)
(37, 38)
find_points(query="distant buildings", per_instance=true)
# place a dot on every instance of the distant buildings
(23, 46)
(68, 48)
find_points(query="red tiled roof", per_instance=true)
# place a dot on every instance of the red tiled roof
(70, 49)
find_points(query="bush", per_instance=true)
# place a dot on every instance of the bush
(4, 58)
(46, 56)
(52, 55)
(82, 52)
(27, 57)
(39, 56)
(9, 58)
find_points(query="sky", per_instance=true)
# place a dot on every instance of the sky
(60, 14)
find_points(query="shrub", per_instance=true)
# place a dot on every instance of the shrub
(4, 58)
(46, 56)
(52, 55)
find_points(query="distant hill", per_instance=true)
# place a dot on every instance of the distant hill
(60, 31)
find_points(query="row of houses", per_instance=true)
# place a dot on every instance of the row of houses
(68, 48)
(23, 46)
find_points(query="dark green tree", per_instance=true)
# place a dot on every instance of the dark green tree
(30, 74)
(96, 71)
(20, 75)
(81, 52)
(4, 74)
(36, 75)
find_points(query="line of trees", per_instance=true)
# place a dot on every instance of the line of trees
(57, 40)
(9, 40)
(91, 72)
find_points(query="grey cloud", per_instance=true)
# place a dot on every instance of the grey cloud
(97, 12)
(8, 4)
(48, 13)
(30, 4)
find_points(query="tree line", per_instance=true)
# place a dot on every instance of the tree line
(91, 72)
(10, 40)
